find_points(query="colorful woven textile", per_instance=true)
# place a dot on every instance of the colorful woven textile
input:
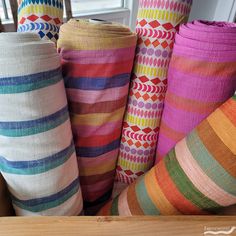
(97, 60)
(43, 17)
(37, 154)
(198, 176)
(156, 27)
(5, 201)
(201, 77)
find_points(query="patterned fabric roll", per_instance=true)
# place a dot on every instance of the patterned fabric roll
(198, 176)
(156, 27)
(201, 77)
(43, 17)
(97, 60)
(37, 154)
(5, 201)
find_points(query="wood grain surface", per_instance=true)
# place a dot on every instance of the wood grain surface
(124, 226)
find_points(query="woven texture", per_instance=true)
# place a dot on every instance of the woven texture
(37, 154)
(201, 77)
(43, 17)
(97, 60)
(198, 176)
(157, 23)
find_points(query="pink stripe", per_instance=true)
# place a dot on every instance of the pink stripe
(98, 56)
(207, 87)
(201, 181)
(94, 162)
(123, 206)
(90, 97)
(86, 131)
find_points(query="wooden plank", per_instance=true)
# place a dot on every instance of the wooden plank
(106, 226)
(68, 9)
(14, 8)
(1, 27)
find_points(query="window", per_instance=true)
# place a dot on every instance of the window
(5, 10)
(79, 6)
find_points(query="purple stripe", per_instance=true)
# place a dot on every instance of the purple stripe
(97, 56)
(208, 89)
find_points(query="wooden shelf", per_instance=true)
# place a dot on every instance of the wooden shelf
(123, 226)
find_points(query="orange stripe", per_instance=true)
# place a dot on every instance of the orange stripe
(191, 105)
(229, 109)
(203, 68)
(100, 140)
(172, 193)
(97, 70)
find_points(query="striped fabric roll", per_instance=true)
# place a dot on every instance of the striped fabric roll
(201, 77)
(37, 154)
(5, 206)
(43, 17)
(97, 60)
(198, 176)
(157, 24)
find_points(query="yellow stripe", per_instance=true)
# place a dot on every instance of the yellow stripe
(150, 71)
(224, 129)
(157, 196)
(40, 9)
(97, 119)
(143, 122)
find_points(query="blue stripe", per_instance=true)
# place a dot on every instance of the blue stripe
(97, 151)
(97, 83)
(33, 123)
(29, 79)
(37, 166)
(44, 203)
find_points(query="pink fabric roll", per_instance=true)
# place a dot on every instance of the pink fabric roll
(201, 77)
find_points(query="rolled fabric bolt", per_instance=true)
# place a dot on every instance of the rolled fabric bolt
(157, 24)
(201, 77)
(43, 17)
(37, 154)
(198, 176)
(97, 59)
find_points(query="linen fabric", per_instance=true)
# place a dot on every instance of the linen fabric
(97, 60)
(201, 77)
(37, 154)
(198, 176)
(43, 17)
(157, 24)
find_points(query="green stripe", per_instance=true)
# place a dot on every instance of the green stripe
(36, 129)
(29, 87)
(209, 164)
(114, 207)
(144, 200)
(185, 186)
(234, 97)
(46, 206)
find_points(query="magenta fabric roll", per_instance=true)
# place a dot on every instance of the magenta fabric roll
(201, 76)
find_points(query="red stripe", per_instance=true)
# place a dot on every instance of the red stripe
(172, 193)
(96, 70)
(99, 140)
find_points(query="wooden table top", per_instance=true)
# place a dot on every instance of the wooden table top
(124, 226)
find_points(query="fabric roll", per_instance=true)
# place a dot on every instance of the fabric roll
(6, 208)
(97, 60)
(201, 77)
(157, 24)
(198, 176)
(43, 17)
(37, 154)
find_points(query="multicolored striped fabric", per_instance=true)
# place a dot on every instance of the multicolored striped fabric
(37, 154)
(201, 77)
(5, 206)
(43, 17)
(97, 60)
(198, 176)
(157, 24)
